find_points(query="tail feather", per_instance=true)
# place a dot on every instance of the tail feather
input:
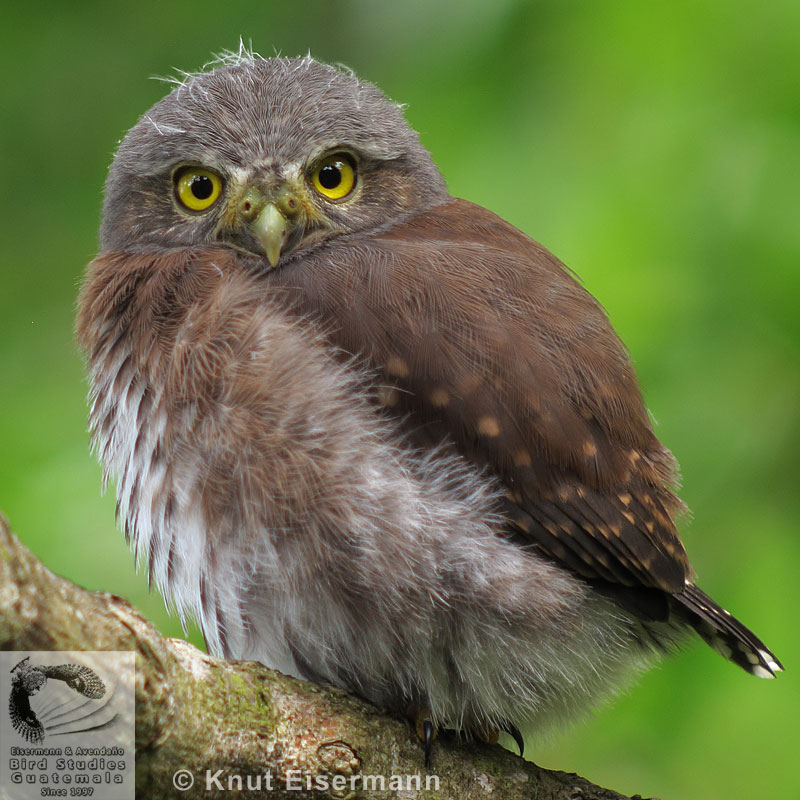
(725, 634)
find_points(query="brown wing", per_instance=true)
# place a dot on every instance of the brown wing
(483, 337)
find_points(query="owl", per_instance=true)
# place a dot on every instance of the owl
(27, 679)
(370, 434)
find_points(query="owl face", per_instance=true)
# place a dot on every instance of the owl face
(274, 159)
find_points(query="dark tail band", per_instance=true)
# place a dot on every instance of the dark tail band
(725, 634)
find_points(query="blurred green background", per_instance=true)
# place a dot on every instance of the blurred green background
(655, 147)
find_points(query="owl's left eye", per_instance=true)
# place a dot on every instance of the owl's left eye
(335, 176)
(196, 188)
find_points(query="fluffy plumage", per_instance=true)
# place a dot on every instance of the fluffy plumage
(412, 459)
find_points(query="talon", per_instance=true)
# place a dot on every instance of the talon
(425, 729)
(514, 732)
(428, 732)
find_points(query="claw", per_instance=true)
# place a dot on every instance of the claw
(425, 729)
(514, 732)
(428, 733)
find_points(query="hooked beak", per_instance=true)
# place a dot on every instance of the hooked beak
(265, 219)
(271, 228)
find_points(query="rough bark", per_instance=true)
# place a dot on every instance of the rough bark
(198, 713)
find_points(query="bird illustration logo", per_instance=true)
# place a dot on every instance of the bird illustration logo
(29, 678)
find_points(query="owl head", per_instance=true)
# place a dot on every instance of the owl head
(271, 156)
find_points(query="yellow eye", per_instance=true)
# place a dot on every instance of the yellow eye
(197, 188)
(335, 176)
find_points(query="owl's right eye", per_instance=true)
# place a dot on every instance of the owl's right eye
(197, 189)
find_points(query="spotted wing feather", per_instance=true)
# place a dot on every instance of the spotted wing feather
(483, 338)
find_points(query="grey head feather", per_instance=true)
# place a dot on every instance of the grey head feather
(253, 111)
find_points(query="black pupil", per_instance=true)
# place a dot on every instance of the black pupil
(202, 186)
(330, 176)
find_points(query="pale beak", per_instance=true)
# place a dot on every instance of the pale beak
(271, 229)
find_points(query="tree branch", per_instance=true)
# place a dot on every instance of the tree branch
(198, 713)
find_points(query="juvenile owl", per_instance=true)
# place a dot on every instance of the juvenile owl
(367, 433)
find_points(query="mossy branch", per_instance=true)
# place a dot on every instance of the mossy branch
(221, 719)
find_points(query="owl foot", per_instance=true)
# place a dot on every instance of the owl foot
(486, 735)
(514, 732)
(429, 734)
(490, 735)
(425, 729)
